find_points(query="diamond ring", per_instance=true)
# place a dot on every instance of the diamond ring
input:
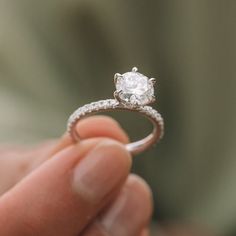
(134, 91)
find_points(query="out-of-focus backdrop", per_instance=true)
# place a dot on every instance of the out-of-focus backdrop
(58, 55)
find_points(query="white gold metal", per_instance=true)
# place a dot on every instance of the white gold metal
(119, 104)
(117, 95)
(116, 76)
(153, 80)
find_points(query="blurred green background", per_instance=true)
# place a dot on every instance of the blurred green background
(58, 55)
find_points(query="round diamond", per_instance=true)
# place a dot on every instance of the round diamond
(135, 88)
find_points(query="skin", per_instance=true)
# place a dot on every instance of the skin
(62, 188)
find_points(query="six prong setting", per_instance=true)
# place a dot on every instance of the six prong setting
(134, 89)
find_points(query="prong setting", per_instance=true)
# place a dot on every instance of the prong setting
(153, 81)
(134, 69)
(116, 76)
(153, 99)
(117, 95)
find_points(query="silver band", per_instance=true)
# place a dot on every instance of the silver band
(112, 104)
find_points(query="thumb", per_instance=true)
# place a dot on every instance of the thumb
(63, 195)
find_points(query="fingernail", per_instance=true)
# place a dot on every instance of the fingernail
(129, 213)
(101, 170)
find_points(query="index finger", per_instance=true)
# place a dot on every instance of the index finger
(94, 126)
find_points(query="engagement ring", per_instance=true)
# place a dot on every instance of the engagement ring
(134, 91)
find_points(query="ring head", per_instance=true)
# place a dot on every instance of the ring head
(134, 89)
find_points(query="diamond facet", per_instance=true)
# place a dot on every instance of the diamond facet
(134, 88)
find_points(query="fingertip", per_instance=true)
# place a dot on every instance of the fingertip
(143, 194)
(101, 126)
(140, 184)
(144, 232)
(93, 127)
(130, 213)
(101, 171)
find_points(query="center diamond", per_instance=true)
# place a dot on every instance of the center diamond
(134, 88)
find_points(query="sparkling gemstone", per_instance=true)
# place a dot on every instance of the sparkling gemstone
(135, 88)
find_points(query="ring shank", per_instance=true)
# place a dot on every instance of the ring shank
(143, 144)
(111, 105)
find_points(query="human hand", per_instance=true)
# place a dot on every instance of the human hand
(61, 188)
